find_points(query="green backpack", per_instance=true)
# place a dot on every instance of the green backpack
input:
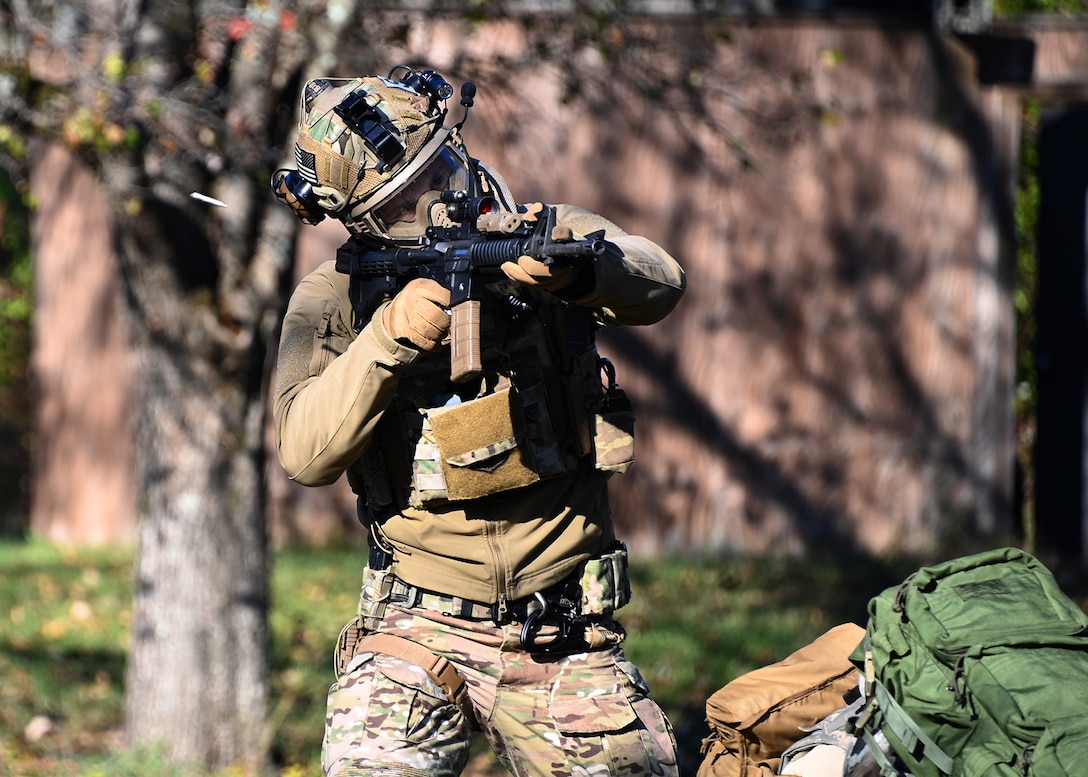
(977, 667)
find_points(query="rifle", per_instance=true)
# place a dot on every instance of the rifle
(461, 257)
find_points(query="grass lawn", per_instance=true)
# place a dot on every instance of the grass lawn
(694, 625)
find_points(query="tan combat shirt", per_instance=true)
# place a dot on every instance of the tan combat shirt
(333, 387)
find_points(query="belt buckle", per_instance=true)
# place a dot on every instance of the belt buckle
(408, 596)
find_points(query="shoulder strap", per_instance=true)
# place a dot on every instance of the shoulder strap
(899, 722)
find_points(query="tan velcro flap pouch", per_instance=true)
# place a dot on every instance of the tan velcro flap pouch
(478, 446)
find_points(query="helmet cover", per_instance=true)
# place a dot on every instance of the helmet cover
(354, 134)
(365, 146)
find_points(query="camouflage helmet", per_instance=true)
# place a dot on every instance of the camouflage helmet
(362, 142)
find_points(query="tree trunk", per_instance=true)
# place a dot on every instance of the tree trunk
(204, 291)
(198, 670)
(166, 99)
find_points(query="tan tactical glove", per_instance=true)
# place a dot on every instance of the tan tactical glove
(532, 272)
(418, 315)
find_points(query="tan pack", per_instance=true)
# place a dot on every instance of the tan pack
(755, 717)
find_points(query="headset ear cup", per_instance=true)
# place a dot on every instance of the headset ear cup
(297, 194)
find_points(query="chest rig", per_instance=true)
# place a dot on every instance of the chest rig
(544, 401)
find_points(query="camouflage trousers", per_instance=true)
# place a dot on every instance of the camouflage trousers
(585, 715)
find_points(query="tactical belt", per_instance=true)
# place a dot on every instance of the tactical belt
(516, 611)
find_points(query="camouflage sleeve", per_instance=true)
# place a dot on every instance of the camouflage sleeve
(635, 280)
(331, 386)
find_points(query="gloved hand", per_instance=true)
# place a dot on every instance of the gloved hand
(418, 315)
(532, 272)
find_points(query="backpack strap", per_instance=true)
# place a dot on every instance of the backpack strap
(886, 712)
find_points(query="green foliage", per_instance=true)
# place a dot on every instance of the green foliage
(1007, 8)
(314, 594)
(16, 284)
(1024, 291)
(1024, 299)
(693, 626)
(135, 763)
(16, 312)
(62, 646)
(12, 142)
(733, 616)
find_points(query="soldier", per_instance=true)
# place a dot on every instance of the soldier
(494, 570)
